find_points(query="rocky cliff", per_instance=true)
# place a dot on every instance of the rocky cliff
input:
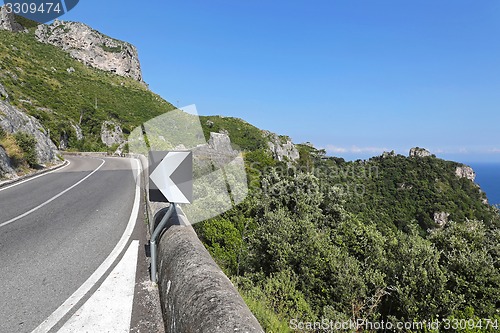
(12, 121)
(419, 152)
(111, 133)
(8, 21)
(6, 169)
(92, 48)
(281, 147)
(465, 171)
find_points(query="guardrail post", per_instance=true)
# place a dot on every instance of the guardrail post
(154, 239)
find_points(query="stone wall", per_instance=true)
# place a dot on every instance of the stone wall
(196, 295)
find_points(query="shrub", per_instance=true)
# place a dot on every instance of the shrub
(27, 144)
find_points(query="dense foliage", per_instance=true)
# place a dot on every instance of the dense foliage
(21, 150)
(325, 238)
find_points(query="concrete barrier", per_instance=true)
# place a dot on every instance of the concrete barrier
(196, 295)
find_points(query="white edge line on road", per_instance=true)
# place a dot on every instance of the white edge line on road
(35, 177)
(68, 305)
(109, 309)
(51, 199)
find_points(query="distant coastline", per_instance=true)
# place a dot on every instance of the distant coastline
(488, 177)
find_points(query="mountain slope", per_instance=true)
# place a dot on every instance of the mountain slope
(45, 82)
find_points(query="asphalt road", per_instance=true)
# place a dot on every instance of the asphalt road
(47, 255)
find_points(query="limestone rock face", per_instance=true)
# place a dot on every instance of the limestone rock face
(441, 218)
(92, 48)
(282, 148)
(3, 93)
(78, 131)
(6, 169)
(419, 152)
(64, 138)
(111, 133)
(8, 21)
(218, 151)
(387, 154)
(465, 171)
(12, 121)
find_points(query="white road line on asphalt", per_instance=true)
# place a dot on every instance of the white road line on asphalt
(51, 199)
(109, 309)
(33, 178)
(68, 305)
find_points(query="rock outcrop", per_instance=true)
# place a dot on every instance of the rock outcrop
(387, 154)
(465, 171)
(12, 121)
(419, 152)
(3, 93)
(78, 131)
(218, 151)
(64, 138)
(92, 48)
(282, 148)
(6, 170)
(111, 133)
(8, 21)
(441, 218)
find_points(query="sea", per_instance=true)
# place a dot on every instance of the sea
(488, 177)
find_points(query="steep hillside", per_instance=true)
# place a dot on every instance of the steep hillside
(66, 95)
(392, 238)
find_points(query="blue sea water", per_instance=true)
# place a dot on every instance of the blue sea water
(488, 177)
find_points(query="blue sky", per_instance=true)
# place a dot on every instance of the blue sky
(355, 77)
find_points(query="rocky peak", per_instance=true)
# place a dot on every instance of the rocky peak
(465, 171)
(419, 152)
(8, 21)
(387, 154)
(92, 47)
(281, 147)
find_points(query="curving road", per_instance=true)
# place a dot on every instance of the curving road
(56, 231)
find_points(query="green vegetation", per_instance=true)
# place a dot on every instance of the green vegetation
(36, 77)
(325, 238)
(112, 49)
(20, 147)
(27, 23)
(243, 135)
(27, 144)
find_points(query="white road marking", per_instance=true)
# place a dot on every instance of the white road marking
(68, 305)
(51, 199)
(33, 178)
(109, 309)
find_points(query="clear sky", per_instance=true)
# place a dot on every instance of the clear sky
(355, 77)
